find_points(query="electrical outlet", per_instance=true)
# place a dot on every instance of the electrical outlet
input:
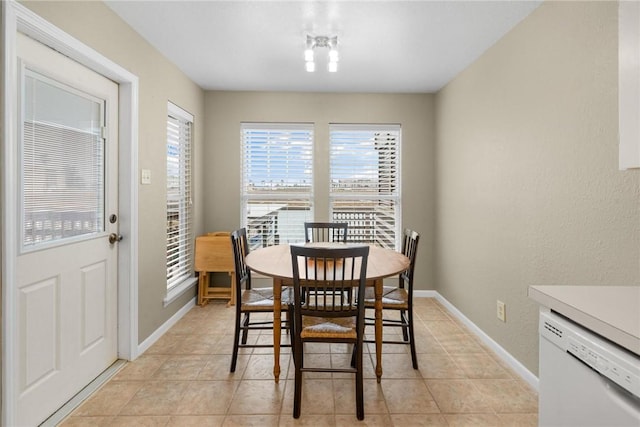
(502, 311)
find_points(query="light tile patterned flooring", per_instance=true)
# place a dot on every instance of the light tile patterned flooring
(184, 380)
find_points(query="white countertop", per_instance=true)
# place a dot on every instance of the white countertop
(610, 311)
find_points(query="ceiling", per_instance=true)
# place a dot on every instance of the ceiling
(384, 46)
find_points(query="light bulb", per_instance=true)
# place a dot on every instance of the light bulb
(310, 66)
(308, 55)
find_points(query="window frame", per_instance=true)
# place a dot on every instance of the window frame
(176, 283)
(394, 196)
(59, 228)
(303, 198)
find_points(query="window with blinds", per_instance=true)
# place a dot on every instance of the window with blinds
(277, 182)
(63, 163)
(179, 209)
(365, 182)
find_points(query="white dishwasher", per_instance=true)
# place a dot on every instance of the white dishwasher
(584, 379)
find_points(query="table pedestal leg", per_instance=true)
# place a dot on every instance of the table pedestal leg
(277, 322)
(378, 327)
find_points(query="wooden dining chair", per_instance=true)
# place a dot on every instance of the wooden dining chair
(250, 300)
(318, 232)
(330, 314)
(326, 232)
(399, 298)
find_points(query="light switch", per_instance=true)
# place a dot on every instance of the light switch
(145, 176)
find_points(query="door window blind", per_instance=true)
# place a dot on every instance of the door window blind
(277, 181)
(179, 205)
(63, 163)
(365, 182)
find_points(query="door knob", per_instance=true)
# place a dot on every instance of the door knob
(113, 238)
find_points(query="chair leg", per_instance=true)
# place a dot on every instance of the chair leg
(403, 319)
(297, 394)
(245, 327)
(412, 342)
(359, 384)
(353, 356)
(236, 339)
(288, 318)
(291, 336)
(298, 362)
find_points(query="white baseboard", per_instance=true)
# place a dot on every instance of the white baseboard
(511, 361)
(155, 336)
(427, 294)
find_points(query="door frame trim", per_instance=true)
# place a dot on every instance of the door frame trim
(18, 19)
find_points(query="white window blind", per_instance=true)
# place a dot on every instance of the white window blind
(179, 209)
(63, 163)
(277, 181)
(365, 182)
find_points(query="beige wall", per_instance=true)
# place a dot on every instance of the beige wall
(98, 27)
(529, 191)
(526, 189)
(225, 111)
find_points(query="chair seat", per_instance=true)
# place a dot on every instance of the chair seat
(261, 299)
(323, 327)
(392, 297)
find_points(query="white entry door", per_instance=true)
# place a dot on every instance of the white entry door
(66, 299)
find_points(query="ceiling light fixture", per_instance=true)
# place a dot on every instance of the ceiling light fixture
(314, 42)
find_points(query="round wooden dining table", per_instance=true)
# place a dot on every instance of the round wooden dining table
(275, 262)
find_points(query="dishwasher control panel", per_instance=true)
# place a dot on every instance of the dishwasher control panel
(615, 363)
